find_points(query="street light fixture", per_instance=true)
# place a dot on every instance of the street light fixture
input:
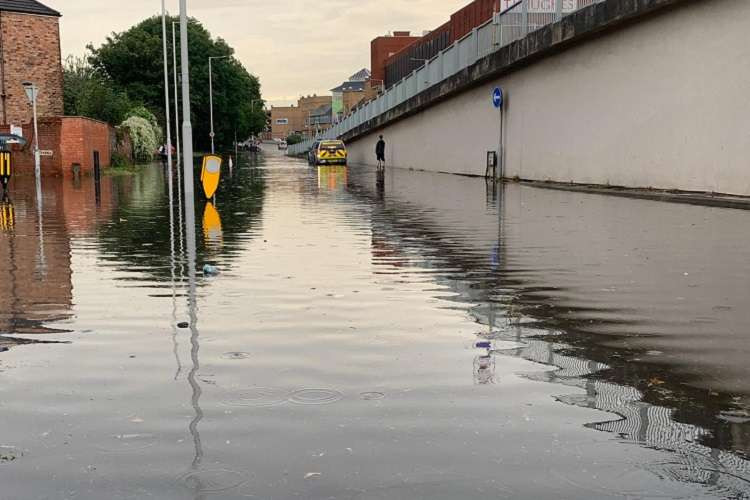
(211, 96)
(32, 92)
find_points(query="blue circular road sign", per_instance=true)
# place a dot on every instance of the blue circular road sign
(497, 97)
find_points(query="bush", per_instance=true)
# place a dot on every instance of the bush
(119, 160)
(142, 112)
(145, 142)
(294, 139)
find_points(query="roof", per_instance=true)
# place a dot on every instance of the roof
(350, 87)
(361, 75)
(27, 7)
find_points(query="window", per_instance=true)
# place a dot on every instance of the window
(282, 121)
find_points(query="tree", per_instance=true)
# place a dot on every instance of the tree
(88, 92)
(133, 60)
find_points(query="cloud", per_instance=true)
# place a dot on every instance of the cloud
(295, 47)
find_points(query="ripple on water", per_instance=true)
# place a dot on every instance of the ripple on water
(207, 481)
(124, 443)
(315, 396)
(372, 396)
(257, 397)
(235, 355)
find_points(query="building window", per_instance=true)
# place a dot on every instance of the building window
(282, 121)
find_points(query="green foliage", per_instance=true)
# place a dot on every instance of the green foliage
(143, 135)
(142, 112)
(294, 139)
(133, 60)
(88, 92)
(119, 160)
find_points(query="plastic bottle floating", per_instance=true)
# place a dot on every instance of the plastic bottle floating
(210, 175)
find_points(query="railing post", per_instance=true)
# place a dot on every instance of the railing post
(524, 18)
(474, 47)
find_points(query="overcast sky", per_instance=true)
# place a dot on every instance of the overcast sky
(294, 46)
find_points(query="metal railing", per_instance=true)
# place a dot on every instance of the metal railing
(512, 24)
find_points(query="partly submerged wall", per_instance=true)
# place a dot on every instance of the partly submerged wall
(660, 101)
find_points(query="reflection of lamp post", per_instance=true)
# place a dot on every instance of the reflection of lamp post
(211, 97)
(32, 92)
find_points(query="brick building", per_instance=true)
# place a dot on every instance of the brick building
(30, 52)
(383, 47)
(286, 120)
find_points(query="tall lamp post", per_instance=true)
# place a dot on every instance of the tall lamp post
(176, 105)
(168, 119)
(211, 96)
(32, 91)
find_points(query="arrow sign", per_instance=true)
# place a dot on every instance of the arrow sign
(497, 97)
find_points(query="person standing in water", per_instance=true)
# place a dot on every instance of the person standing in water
(380, 153)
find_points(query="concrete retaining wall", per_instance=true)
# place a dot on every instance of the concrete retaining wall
(663, 102)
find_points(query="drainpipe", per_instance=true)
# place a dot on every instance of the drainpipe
(2, 70)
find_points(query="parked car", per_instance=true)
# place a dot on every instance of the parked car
(329, 152)
(311, 154)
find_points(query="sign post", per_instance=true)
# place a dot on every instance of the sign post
(498, 100)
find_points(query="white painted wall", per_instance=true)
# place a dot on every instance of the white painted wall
(664, 103)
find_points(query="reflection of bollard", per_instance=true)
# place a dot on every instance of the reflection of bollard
(97, 172)
(97, 179)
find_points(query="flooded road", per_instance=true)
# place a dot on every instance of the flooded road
(409, 336)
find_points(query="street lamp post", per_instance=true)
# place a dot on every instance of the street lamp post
(211, 97)
(176, 105)
(168, 119)
(32, 92)
(187, 127)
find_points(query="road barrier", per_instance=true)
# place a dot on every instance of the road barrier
(513, 23)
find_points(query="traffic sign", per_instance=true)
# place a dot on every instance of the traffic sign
(45, 152)
(497, 97)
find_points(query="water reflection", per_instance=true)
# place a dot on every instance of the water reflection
(212, 227)
(448, 342)
(657, 410)
(36, 288)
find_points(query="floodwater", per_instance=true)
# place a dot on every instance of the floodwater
(355, 336)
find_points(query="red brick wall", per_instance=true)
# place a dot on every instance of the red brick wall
(30, 52)
(72, 139)
(81, 137)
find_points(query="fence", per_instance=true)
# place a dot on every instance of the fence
(512, 24)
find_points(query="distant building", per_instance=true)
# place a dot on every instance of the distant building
(286, 120)
(383, 47)
(320, 119)
(350, 93)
